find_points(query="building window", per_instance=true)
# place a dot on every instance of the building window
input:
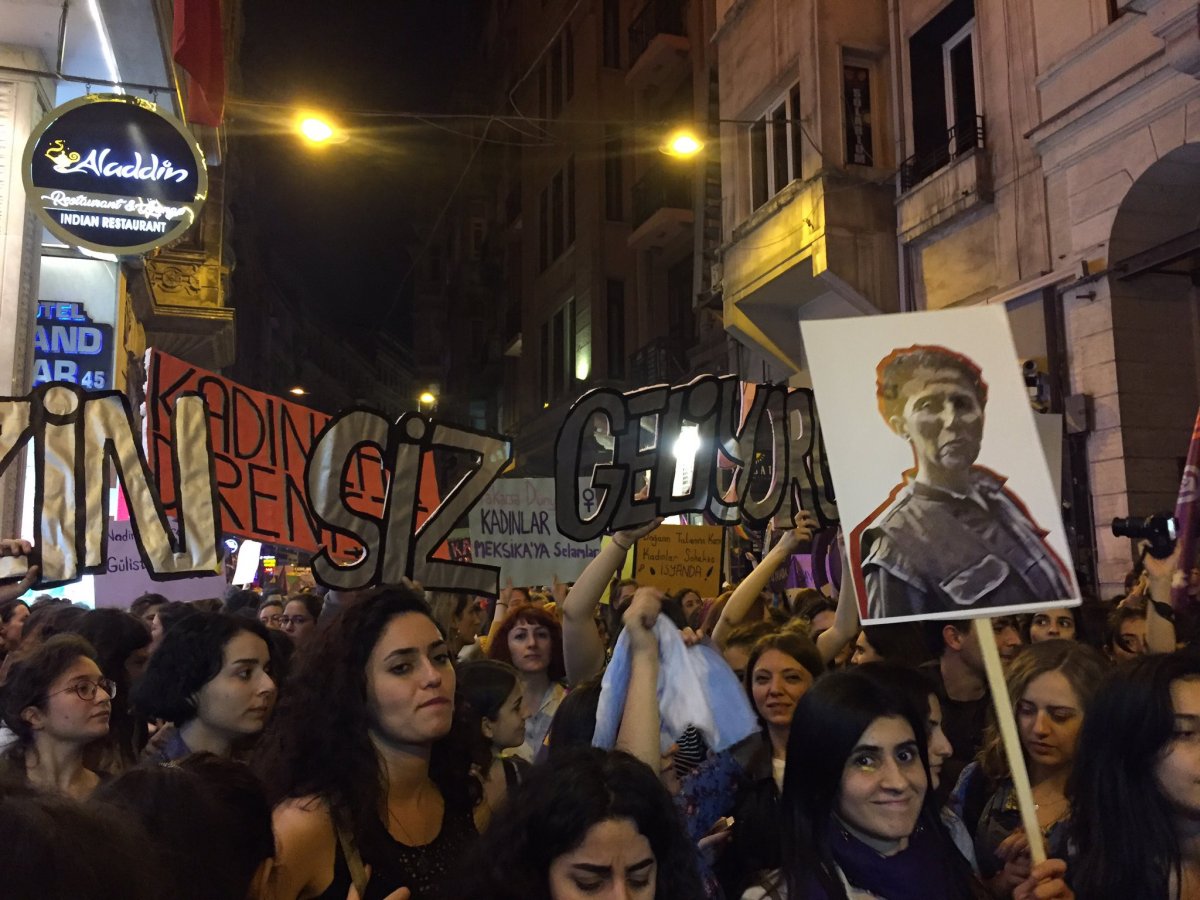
(946, 120)
(558, 352)
(544, 229)
(958, 69)
(856, 97)
(611, 25)
(614, 181)
(775, 148)
(569, 200)
(557, 215)
(614, 289)
(556, 77)
(557, 208)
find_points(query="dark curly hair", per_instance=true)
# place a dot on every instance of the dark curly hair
(212, 852)
(318, 741)
(56, 847)
(530, 615)
(29, 681)
(551, 813)
(116, 635)
(483, 686)
(190, 656)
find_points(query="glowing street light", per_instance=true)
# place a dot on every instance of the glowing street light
(298, 391)
(427, 398)
(317, 130)
(682, 143)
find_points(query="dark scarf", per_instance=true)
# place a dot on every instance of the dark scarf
(921, 871)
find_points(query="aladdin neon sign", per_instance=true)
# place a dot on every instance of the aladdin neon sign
(67, 162)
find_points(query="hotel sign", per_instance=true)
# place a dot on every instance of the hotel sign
(113, 174)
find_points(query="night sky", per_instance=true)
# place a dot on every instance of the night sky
(331, 226)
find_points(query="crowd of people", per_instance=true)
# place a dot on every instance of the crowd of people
(592, 740)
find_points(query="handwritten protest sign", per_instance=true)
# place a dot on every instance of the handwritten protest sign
(513, 526)
(261, 445)
(674, 557)
(125, 577)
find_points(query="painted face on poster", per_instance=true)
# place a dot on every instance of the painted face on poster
(935, 455)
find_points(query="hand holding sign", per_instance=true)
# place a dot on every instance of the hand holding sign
(12, 553)
(630, 536)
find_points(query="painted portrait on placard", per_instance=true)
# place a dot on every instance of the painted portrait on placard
(956, 512)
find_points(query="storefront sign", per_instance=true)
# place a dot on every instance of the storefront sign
(114, 174)
(69, 346)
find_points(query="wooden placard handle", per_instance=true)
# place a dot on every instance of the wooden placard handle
(1002, 704)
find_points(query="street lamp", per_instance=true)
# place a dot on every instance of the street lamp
(682, 143)
(427, 399)
(298, 391)
(318, 130)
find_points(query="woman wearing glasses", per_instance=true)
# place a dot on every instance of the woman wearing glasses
(299, 619)
(57, 703)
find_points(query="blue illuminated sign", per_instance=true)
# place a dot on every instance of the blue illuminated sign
(69, 346)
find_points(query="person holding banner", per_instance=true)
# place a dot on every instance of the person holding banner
(1051, 685)
(951, 537)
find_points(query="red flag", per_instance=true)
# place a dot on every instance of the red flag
(197, 46)
(1187, 510)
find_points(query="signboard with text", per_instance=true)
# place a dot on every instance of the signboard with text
(69, 346)
(114, 174)
(513, 526)
(126, 577)
(674, 557)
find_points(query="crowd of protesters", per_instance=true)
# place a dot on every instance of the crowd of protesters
(592, 740)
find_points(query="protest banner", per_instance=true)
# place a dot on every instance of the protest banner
(674, 557)
(692, 448)
(513, 525)
(125, 576)
(76, 434)
(950, 519)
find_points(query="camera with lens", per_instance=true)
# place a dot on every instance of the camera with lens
(1159, 531)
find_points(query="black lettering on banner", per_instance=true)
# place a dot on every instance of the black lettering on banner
(778, 436)
(255, 494)
(245, 411)
(75, 434)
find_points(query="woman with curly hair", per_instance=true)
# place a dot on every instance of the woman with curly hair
(366, 763)
(211, 679)
(589, 823)
(531, 640)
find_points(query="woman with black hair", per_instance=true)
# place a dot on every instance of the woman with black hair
(587, 824)
(122, 645)
(900, 643)
(211, 680)
(57, 702)
(368, 766)
(1135, 790)
(493, 703)
(208, 822)
(858, 816)
(300, 615)
(54, 847)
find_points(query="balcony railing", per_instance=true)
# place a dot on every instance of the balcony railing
(656, 17)
(960, 138)
(658, 362)
(662, 187)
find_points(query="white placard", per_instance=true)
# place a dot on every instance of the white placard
(513, 527)
(917, 551)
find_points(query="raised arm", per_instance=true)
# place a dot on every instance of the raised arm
(17, 549)
(640, 726)
(1160, 617)
(846, 620)
(753, 584)
(583, 649)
